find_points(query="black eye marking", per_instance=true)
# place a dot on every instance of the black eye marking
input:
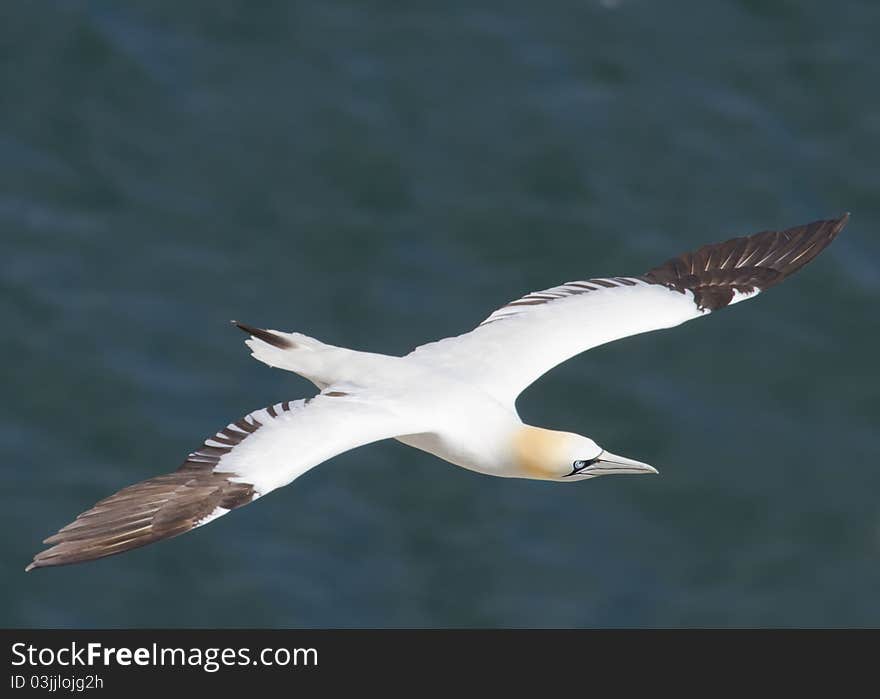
(579, 466)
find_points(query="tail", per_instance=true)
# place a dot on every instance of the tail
(280, 340)
(294, 352)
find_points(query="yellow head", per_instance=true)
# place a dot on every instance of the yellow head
(564, 456)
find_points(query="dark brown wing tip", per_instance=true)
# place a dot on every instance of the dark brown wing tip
(41, 561)
(264, 335)
(839, 224)
(834, 225)
(153, 510)
(792, 249)
(715, 273)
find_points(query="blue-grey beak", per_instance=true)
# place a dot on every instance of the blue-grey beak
(608, 464)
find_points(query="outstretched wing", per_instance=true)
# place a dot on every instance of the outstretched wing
(526, 338)
(265, 450)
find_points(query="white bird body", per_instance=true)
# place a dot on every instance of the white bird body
(454, 398)
(450, 417)
(436, 410)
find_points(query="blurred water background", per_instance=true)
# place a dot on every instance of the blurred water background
(378, 174)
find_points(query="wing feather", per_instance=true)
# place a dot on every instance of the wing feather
(265, 450)
(527, 337)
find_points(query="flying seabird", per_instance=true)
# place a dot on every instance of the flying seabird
(454, 398)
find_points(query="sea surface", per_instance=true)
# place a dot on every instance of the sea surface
(378, 174)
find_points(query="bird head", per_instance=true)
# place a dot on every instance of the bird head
(566, 457)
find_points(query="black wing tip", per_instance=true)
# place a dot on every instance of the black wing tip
(840, 223)
(264, 335)
(831, 226)
(715, 272)
(824, 232)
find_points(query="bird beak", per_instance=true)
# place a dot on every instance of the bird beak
(611, 464)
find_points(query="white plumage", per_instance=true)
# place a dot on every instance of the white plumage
(454, 398)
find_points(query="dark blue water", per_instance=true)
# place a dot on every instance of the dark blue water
(378, 174)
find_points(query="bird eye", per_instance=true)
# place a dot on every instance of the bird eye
(578, 466)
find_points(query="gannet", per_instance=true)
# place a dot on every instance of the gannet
(453, 398)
